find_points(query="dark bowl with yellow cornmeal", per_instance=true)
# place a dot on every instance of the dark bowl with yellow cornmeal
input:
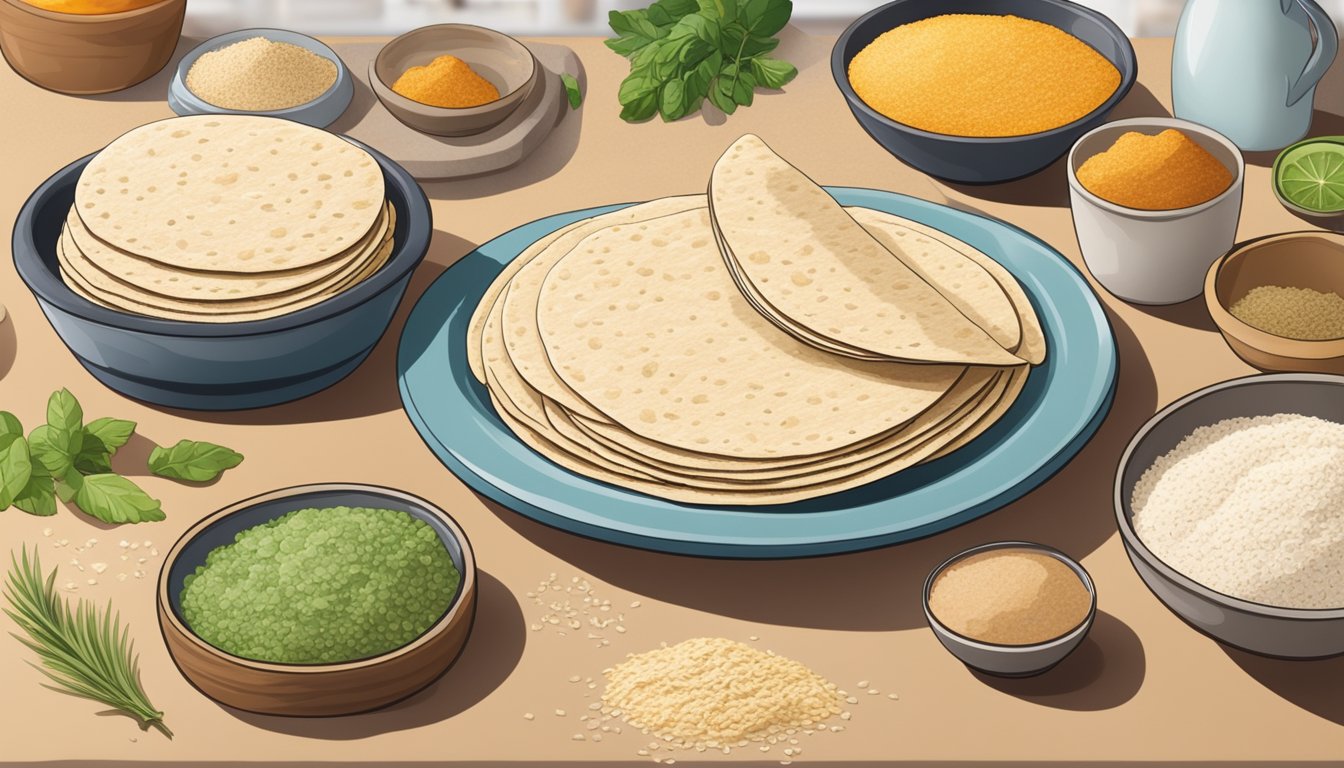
(982, 159)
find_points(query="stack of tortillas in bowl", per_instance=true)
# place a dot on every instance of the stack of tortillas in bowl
(225, 218)
(763, 345)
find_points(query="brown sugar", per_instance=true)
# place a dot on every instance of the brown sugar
(447, 81)
(1155, 173)
(981, 75)
(1010, 597)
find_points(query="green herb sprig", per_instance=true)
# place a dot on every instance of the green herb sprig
(70, 460)
(85, 652)
(685, 51)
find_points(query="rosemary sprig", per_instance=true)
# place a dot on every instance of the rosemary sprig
(86, 652)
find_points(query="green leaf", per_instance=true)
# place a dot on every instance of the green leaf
(572, 90)
(195, 461)
(724, 102)
(758, 46)
(10, 424)
(114, 499)
(15, 470)
(46, 447)
(93, 458)
(672, 100)
(635, 87)
(774, 18)
(773, 73)
(744, 88)
(38, 497)
(67, 486)
(63, 412)
(113, 433)
(641, 109)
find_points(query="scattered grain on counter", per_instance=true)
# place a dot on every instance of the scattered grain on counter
(1155, 173)
(573, 606)
(258, 74)
(718, 693)
(981, 75)
(1010, 596)
(1294, 313)
(1252, 508)
(447, 81)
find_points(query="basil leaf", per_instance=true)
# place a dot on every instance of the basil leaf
(113, 433)
(757, 46)
(114, 499)
(640, 109)
(744, 88)
(46, 447)
(63, 412)
(37, 497)
(190, 460)
(10, 424)
(774, 17)
(671, 105)
(68, 486)
(635, 87)
(572, 90)
(93, 458)
(724, 103)
(773, 73)
(15, 470)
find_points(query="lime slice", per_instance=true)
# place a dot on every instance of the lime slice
(1310, 176)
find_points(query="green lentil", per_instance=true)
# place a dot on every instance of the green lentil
(321, 586)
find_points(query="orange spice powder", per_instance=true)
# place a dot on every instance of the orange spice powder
(90, 7)
(446, 82)
(981, 75)
(1155, 173)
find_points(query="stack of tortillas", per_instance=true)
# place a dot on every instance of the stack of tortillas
(682, 353)
(225, 218)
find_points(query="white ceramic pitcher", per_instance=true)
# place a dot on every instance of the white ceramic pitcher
(1248, 68)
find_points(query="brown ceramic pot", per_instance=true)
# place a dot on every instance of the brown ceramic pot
(78, 54)
(316, 690)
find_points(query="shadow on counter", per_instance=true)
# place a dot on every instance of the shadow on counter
(1072, 512)
(372, 388)
(1049, 188)
(550, 158)
(155, 89)
(1322, 124)
(493, 650)
(1105, 672)
(1310, 685)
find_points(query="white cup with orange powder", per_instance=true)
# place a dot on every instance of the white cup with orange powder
(1155, 201)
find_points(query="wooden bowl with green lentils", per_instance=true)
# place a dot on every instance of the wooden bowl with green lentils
(318, 600)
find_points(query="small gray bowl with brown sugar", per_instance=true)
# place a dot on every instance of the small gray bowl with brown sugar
(1010, 608)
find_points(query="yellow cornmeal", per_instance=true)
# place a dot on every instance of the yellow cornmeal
(981, 75)
(1155, 173)
(1294, 313)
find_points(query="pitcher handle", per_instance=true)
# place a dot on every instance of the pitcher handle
(1327, 45)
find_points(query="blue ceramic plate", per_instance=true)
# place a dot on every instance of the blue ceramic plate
(1062, 405)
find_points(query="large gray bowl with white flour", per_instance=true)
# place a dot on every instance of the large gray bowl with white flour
(1267, 630)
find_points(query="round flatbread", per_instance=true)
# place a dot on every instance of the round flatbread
(230, 193)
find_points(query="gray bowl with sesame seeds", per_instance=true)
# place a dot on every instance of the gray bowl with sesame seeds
(319, 112)
(1291, 633)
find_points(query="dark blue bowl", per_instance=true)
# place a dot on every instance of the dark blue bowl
(982, 160)
(219, 366)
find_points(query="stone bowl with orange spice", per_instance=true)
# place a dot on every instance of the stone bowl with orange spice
(89, 46)
(485, 75)
(1155, 201)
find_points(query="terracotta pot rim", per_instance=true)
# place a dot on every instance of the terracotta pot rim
(91, 18)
